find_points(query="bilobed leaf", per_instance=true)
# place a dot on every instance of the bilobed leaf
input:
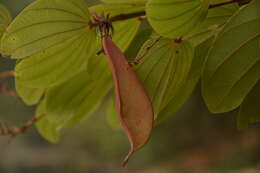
(133, 104)
(189, 82)
(5, 19)
(176, 18)
(45, 24)
(232, 67)
(47, 129)
(163, 67)
(55, 37)
(250, 110)
(216, 17)
(30, 96)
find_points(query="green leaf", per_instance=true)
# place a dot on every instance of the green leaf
(163, 68)
(176, 18)
(215, 19)
(55, 53)
(62, 20)
(114, 9)
(250, 110)
(30, 96)
(47, 129)
(72, 101)
(111, 114)
(219, 15)
(58, 64)
(189, 83)
(232, 66)
(141, 37)
(5, 19)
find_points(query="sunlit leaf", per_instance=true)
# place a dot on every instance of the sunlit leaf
(45, 24)
(233, 67)
(132, 103)
(55, 37)
(5, 19)
(30, 96)
(176, 18)
(47, 129)
(190, 82)
(114, 9)
(250, 109)
(58, 64)
(163, 68)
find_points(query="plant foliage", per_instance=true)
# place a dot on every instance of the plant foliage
(151, 52)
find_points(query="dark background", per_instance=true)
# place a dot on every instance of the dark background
(191, 141)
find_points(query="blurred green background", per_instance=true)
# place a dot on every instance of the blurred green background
(191, 141)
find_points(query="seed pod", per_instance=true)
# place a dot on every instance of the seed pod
(132, 102)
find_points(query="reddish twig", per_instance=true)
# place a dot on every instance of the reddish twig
(141, 15)
(4, 131)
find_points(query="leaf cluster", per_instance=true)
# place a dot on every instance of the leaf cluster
(172, 46)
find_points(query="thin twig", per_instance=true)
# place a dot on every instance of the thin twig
(127, 16)
(6, 74)
(4, 131)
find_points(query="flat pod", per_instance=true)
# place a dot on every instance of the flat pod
(175, 18)
(132, 102)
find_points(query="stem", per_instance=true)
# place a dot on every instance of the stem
(141, 14)
(6, 74)
(127, 16)
(18, 130)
